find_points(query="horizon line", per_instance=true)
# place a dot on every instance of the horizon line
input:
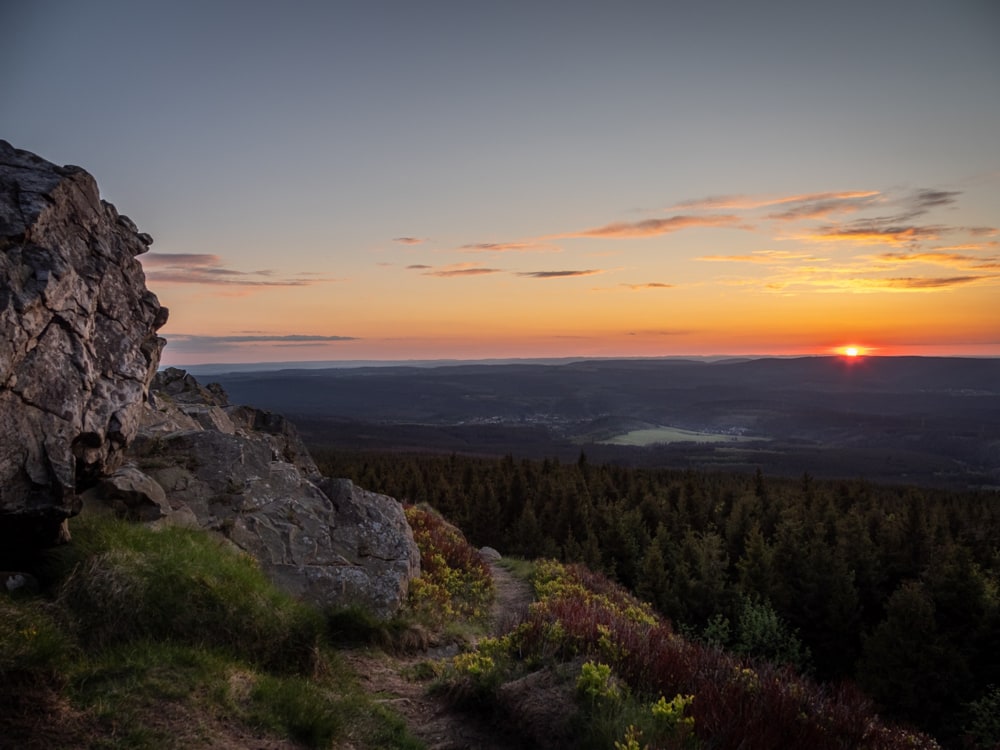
(445, 361)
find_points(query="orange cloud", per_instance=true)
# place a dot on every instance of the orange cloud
(761, 256)
(559, 274)
(409, 240)
(452, 272)
(656, 227)
(505, 247)
(927, 283)
(648, 285)
(940, 257)
(874, 232)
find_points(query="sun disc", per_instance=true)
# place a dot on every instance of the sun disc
(852, 351)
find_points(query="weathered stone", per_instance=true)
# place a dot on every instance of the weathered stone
(490, 555)
(130, 494)
(18, 581)
(78, 346)
(325, 541)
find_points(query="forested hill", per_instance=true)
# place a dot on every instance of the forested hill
(898, 419)
(894, 587)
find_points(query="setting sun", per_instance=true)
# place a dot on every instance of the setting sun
(851, 351)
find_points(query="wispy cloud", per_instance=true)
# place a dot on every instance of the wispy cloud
(515, 247)
(925, 200)
(767, 257)
(201, 268)
(656, 227)
(648, 285)
(878, 231)
(942, 257)
(559, 274)
(983, 231)
(185, 342)
(847, 199)
(916, 282)
(453, 270)
(822, 206)
(409, 240)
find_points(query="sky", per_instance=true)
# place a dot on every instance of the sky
(401, 180)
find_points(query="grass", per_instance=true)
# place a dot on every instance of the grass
(662, 435)
(170, 639)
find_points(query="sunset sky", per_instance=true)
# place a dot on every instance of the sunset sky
(422, 180)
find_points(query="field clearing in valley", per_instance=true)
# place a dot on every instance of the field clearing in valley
(660, 435)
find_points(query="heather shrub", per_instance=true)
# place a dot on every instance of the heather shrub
(454, 581)
(632, 660)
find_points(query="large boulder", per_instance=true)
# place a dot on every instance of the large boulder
(246, 474)
(78, 344)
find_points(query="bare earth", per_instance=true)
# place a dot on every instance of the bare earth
(430, 717)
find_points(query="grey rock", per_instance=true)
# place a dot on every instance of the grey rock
(253, 481)
(78, 347)
(11, 581)
(130, 494)
(490, 555)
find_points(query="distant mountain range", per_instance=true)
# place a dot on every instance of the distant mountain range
(898, 419)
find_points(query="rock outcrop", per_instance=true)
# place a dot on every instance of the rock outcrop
(246, 474)
(78, 356)
(78, 345)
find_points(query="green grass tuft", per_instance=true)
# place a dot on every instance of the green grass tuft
(171, 639)
(125, 583)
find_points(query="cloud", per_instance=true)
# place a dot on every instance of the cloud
(656, 227)
(822, 206)
(558, 274)
(160, 260)
(761, 256)
(409, 240)
(941, 256)
(911, 282)
(186, 342)
(924, 200)
(648, 285)
(505, 247)
(200, 268)
(451, 272)
(879, 231)
(748, 202)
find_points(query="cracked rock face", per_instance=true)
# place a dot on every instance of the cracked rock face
(78, 344)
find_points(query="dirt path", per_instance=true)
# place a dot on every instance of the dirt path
(391, 679)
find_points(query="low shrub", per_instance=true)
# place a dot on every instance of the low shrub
(636, 661)
(454, 581)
